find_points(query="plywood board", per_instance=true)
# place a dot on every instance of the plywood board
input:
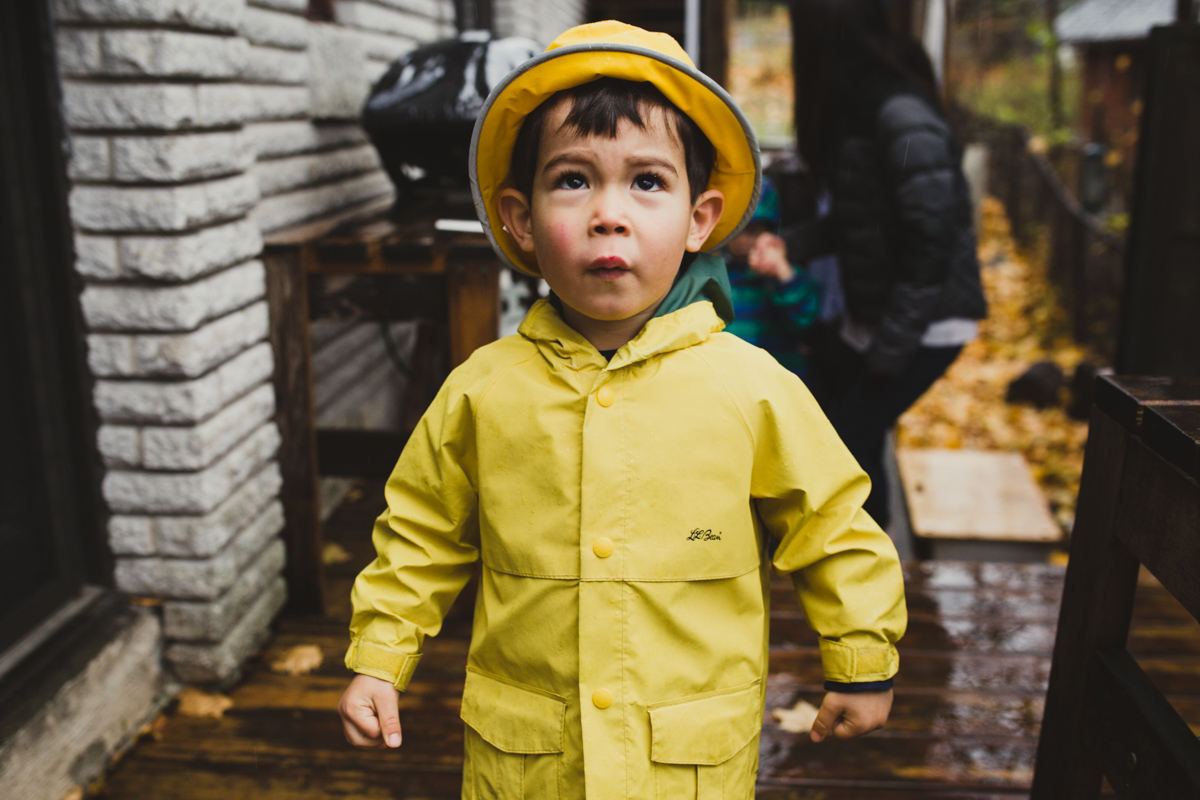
(974, 494)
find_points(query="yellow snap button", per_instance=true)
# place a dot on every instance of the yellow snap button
(602, 547)
(605, 396)
(602, 698)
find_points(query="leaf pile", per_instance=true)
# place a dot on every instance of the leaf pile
(966, 407)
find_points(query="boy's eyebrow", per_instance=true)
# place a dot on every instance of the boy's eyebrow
(578, 156)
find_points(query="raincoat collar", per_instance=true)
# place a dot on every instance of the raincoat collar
(698, 305)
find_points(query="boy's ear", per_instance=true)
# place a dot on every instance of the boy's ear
(517, 217)
(706, 213)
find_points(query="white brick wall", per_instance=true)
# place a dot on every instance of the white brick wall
(165, 159)
(196, 493)
(173, 307)
(540, 20)
(214, 15)
(177, 355)
(184, 402)
(155, 106)
(157, 94)
(195, 537)
(197, 126)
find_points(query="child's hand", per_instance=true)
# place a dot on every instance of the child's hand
(847, 715)
(370, 713)
(768, 257)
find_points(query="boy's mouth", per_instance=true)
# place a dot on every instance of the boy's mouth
(609, 266)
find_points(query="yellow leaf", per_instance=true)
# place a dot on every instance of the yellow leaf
(195, 703)
(334, 553)
(797, 719)
(299, 660)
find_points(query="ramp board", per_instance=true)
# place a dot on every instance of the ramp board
(976, 505)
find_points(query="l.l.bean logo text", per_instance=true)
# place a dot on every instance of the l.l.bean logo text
(700, 535)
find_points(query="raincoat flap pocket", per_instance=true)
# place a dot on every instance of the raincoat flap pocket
(511, 716)
(708, 729)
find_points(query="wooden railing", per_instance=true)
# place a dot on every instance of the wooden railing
(1085, 261)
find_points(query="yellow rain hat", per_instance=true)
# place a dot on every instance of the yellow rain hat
(612, 49)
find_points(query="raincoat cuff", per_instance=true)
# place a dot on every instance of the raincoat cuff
(846, 664)
(381, 662)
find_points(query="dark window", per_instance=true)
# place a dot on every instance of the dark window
(50, 539)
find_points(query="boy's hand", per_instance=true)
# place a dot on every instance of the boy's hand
(768, 257)
(370, 713)
(847, 715)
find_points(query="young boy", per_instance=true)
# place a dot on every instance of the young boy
(620, 466)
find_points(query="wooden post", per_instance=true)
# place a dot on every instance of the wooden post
(1160, 330)
(1055, 97)
(287, 300)
(1100, 569)
(1139, 503)
(474, 303)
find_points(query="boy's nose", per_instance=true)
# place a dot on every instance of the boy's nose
(609, 216)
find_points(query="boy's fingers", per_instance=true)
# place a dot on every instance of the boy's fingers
(361, 730)
(389, 717)
(827, 718)
(846, 729)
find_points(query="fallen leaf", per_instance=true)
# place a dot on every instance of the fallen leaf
(797, 719)
(149, 602)
(334, 553)
(195, 703)
(299, 660)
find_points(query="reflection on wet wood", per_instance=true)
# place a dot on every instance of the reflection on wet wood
(968, 707)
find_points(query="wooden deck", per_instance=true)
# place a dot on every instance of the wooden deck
(974, 668)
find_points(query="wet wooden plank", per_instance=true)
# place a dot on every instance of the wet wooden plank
(826, 792)
(921, 760)
(159, 780)
(967, 711)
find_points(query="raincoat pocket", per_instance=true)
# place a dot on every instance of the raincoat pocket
(706, 746)
(513, 741)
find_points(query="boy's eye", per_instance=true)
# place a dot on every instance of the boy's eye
(571, 180)
(648, 182)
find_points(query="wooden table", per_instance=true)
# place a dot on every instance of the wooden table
(446, 281)
(1139, 504)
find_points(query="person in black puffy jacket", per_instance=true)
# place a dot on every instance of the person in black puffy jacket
(871, 128)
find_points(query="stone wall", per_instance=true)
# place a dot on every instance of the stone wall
(198, 126)
(540, 20)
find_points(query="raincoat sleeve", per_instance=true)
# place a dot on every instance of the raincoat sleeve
(427, 543)
(809, 493)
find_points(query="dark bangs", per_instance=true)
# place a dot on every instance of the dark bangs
(597, 109)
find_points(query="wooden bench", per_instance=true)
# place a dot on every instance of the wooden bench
(1139, 503)
(447, 281)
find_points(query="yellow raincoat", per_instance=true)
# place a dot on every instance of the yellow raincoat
(622, 512)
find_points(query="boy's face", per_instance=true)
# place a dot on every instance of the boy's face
(609, 221)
